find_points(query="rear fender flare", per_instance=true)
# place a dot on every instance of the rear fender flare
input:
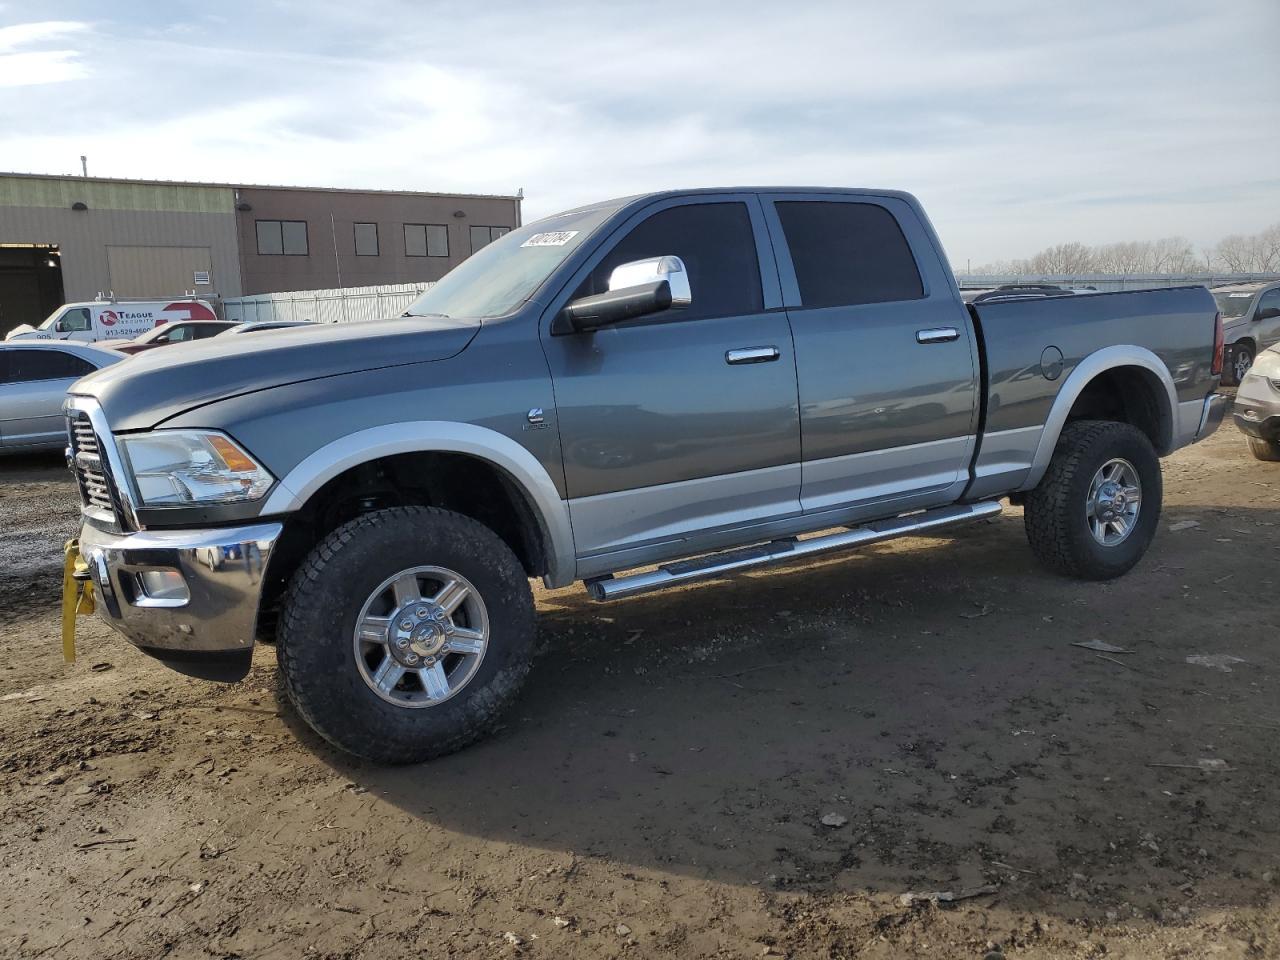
(1108, 358)
(440, 436)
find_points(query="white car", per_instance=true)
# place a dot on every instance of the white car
(34, 378)
(112, 319)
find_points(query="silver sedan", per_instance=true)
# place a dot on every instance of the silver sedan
(34, 378)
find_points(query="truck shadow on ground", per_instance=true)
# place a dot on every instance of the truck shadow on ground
(926, 695)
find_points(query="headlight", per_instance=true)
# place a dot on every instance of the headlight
(175, 468)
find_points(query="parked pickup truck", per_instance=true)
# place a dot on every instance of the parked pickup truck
(635, 394)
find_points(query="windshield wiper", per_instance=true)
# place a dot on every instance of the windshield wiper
(439, 316)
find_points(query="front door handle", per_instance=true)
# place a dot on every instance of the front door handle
(937, 335)
(752, 355)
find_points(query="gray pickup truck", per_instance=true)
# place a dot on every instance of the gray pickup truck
(635, 394)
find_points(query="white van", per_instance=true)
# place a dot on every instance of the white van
(111, 319)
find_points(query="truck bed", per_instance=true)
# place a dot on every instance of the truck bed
(1032, 350)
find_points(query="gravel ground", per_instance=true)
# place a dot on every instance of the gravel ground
(760, 767)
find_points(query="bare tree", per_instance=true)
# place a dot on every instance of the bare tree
(1256, 253)
(1173, 255)
(1125, 257)
(1065, 258)
(1235, 253)
(1269, 249)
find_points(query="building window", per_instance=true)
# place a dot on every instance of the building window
(366, 239)
(282, 237)
(426, 240)
(483, 236)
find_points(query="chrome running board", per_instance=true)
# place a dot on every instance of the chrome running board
(717, 565)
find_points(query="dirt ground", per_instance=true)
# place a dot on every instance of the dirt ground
(757, 767)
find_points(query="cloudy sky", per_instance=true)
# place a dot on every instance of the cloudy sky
(1019, 124)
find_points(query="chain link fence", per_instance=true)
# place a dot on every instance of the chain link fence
(343, 305)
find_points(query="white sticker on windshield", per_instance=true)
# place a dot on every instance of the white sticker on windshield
(1234, 295)
(556, 238)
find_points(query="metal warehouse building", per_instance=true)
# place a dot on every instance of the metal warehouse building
(67, 238)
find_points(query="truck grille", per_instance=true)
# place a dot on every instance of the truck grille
(86, 458)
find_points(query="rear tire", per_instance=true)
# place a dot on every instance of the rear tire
(1268, 450)
(1097, 471)
(432, 697)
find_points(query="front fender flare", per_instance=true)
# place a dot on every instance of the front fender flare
(440, 436)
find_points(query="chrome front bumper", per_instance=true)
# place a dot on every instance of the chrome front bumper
(182, 595)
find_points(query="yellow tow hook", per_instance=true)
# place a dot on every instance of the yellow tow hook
(77, 596)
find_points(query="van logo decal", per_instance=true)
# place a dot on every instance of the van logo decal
(193, 309)
(108, 318)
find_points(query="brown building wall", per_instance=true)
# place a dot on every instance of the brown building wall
(331, 216)
(143, 216)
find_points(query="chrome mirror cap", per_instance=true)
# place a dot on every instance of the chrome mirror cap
(668, 268)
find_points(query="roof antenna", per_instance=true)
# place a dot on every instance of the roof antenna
(84, 165)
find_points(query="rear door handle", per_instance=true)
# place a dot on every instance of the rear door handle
(937, 335)
(752, 355)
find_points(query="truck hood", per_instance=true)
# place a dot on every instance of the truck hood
(149, 388)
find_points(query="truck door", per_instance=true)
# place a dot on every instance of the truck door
(685, 421)
(886, 359)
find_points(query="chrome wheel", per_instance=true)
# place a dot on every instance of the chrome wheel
(1241, 361)
(1115, 498)
(421, 636)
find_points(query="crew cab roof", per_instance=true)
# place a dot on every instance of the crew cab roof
(644, 199)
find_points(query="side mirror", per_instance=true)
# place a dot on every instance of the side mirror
(636, 289)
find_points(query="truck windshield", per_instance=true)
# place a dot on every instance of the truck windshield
(1233, 304)
(496, 279)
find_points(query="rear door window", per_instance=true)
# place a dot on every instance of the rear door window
(848, 253)
(717, 245)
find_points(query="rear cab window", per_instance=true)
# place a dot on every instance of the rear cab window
(848, 253)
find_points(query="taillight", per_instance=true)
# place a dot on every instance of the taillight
(1216, 367)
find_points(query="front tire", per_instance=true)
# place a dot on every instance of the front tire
(405, 634)
(1096, 509)
(1268, 450)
